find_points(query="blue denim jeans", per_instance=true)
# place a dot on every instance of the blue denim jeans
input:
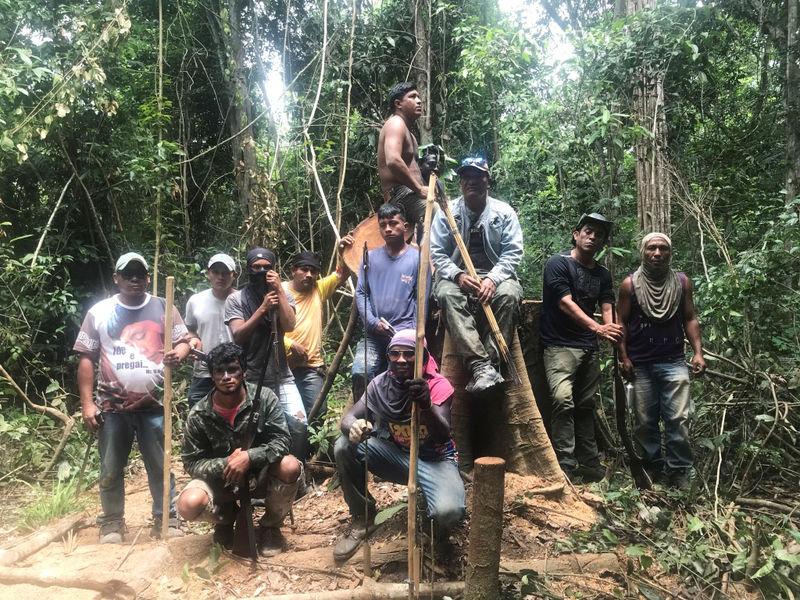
(199, 389)
(439, 481)
(661, 392)
(309, 382)
(376, 363)
(115, 440)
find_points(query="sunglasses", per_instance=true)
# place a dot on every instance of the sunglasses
(128, 275)
(407, 354)
(475, 161)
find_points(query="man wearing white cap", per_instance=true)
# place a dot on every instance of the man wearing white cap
(124, 336)
(205, 317)
(656, 310)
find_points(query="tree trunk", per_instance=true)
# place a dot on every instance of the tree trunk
(422, 66)
(652, 168)
(792, 103)
(508, 425)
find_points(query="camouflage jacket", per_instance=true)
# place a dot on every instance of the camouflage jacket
(209, 439)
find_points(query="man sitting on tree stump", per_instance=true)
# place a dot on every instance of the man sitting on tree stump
(388, 402)
(656, 309)
(574, 283)
(213, 454)
(492, 234)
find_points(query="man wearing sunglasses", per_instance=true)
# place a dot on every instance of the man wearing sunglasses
(384, 413)
(124, 336)
(491, 231)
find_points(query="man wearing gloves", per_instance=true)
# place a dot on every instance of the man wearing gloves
(387, 403)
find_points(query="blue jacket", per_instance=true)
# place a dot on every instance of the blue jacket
(502, 240)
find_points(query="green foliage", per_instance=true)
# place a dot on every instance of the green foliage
(51, 504)
(208, 572)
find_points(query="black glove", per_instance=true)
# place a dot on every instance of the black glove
(420, 392)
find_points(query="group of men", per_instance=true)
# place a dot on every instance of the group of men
(270, 331)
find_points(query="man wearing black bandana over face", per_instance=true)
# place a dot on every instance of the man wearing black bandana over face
(248, 313)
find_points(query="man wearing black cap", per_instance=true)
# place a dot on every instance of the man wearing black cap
(574, 284)
(401, 179)
(124, 336)
(249, 313)
(490, 229)
(304, 347)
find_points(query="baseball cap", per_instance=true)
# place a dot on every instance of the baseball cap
(223, 259)
(129, 257)
(474, 162)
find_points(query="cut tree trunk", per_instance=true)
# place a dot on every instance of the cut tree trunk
(39, 540)
(380, 591)
(486, 530)
(507, 424)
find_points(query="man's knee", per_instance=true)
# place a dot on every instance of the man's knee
(449, 294)
(191, 503)
(448, 513)
(342, 451)
(288, 469)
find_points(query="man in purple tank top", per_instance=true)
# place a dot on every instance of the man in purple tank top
(656, 310)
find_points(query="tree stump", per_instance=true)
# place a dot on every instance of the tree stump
(486, 530)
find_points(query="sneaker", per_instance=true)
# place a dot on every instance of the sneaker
(484, 377)
(679, 481)
(223, 535)
(173, 529)
(112, 533)
(271, 542)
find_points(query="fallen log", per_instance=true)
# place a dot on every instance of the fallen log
(39, 540)
(564, 564)
(111, 588)
(380, 591)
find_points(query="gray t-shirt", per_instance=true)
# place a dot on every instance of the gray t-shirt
(256, 348)
(205, 316)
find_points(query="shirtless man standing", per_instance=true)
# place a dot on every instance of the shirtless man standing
(401, 180)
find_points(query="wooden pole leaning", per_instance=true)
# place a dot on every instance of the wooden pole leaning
(413, 457)
(170, 294)
(502, 346)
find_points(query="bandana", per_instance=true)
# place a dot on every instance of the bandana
(253, 293)
(657, 287)
(389, 396)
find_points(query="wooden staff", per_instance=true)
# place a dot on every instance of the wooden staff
(170, 293)
(413, 457)
(499, 340)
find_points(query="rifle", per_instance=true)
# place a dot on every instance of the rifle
(244, 532)
(640, 476)
(499, 340)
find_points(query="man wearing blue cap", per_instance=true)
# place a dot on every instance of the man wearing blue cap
(124, 336)
(491, 231)
(205, 317)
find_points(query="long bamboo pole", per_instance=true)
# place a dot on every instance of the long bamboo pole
(170, 293)
(422, 298)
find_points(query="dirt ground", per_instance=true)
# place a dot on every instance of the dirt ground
(181, 567)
